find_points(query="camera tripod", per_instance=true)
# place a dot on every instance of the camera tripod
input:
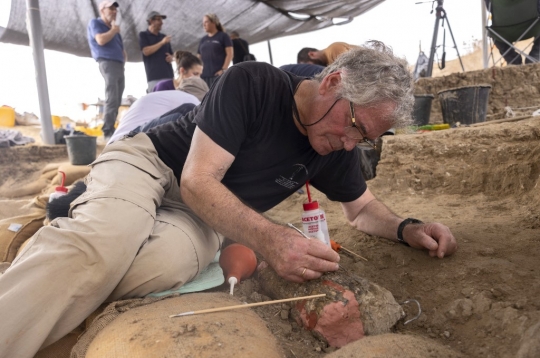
(440, 14)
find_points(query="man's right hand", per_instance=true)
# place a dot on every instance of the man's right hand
(114, 27)
(166, 39)
(298, 259)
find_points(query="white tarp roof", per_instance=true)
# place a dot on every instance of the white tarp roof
(64, 22)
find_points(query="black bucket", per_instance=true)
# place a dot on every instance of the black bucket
(422, 109)
(81, 149)
(466, 105)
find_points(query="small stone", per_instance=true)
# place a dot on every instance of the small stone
(317, 349)
(284, 314)
(190, 327)
(520, 304)
(329, 349)
(446, 334)
(488, 251)
(255, 297)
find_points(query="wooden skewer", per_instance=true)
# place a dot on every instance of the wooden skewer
(190, 313)
(353, 253)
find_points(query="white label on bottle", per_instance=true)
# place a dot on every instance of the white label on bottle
(14, 227)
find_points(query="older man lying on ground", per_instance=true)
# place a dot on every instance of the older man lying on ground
(158, 204)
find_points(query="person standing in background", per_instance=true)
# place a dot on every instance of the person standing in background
(323, 57)
(215, 49)
(240, 47)
(107, 49)
(157, 51)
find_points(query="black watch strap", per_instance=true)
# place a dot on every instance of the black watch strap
(402, 226)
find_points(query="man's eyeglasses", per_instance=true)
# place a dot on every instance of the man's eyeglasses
(353, 131)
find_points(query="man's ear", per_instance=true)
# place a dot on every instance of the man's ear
(330, 83)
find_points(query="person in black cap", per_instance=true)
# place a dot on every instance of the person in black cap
(157, 51)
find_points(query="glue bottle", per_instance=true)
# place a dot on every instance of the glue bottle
(314, 220)
(324, 225)
(59, 190)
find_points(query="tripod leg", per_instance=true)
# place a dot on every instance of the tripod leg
(433, 46)
(452, 34)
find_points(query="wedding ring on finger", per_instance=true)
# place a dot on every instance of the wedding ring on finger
(303, 272)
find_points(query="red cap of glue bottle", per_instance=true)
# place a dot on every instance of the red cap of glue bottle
(312, 220)
(59, 190)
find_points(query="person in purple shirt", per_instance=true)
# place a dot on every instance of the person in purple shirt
(157, 51)
(215, 49)
(107, 49)
(187, 65)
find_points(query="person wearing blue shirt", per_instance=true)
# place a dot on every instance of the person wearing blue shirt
(157, 51)
(107, 49)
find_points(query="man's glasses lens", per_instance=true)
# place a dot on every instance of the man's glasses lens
(353, 131)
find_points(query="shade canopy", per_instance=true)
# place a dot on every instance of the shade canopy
(64, 22)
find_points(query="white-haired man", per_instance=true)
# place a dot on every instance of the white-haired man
(158, 204)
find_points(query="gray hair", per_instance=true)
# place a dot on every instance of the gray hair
(372, 74)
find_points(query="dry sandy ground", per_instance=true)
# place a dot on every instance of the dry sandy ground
(483, 182)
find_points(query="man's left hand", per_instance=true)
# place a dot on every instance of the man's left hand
(168, 57)
(435, 237)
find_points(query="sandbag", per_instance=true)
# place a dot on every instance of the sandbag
(61, 348)
(25, 189)
(16, 230)
(353, 306)
(394, 345)
(147, 331)
(73, 173)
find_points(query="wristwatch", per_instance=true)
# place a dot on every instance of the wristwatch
(402, 226)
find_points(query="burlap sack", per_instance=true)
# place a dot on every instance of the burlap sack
(394, 345)
(144, 329)
(48, 180)
(73, 173)
(16, 230)
(61, 348)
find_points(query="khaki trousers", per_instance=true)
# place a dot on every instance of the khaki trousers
(127, 236)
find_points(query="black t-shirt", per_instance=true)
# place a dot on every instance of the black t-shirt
(241, 49)
(248, 112)
(212, 51)
(155, 65)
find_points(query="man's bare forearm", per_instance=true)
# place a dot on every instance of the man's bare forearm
(223, 211)
(150, 50)
(104, 38)
(377, 219)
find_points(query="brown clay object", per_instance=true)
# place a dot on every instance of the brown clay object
(353, 307)
(238, 263)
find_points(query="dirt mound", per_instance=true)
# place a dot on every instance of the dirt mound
(498, 160)
(147, 331)
(394, 345)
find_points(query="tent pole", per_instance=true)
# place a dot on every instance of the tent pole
(270, 52)
(484, 35)
(33, 22)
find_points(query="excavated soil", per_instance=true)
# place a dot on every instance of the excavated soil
(483, 182)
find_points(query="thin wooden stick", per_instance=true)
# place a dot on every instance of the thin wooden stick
(246, 306)
(353, 253)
